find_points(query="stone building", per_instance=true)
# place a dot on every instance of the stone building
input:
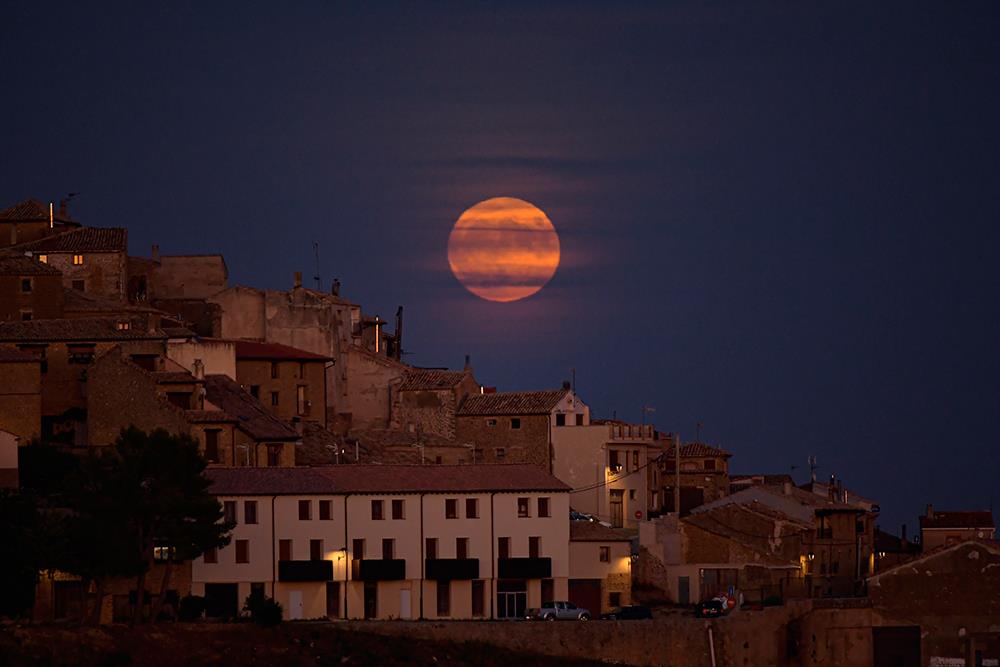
(947, 527)
(29, 289)
(20, 393)
(31, 220)
(260, 439)
(704, 475)
(290, 383)
(176, 277)
(600, 565)
(91, 259)
(65, 350)
(518, 427)
(427, 400)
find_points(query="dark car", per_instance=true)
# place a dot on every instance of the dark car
(631, 612)
(711, 609)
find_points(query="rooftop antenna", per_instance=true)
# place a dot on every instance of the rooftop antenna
(319, 283)
(812, 468)
(646, 409)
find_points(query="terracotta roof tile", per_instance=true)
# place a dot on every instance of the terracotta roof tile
(208, 416)
(387, 479)
(592, 531)
(958, 519)
(992, 545)
(32, 210)
(695, 449)
(14, 355)
(427, 379)
(224, 393)
(89, 329)
(84, 239)
(248, 349)
(21, 265)
(512, 403)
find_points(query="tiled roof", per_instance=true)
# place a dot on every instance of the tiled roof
(512, 403)
(992, 545)
(21, 265)
(84, 239)
(173, 377)
(763, 542)
(696, 449)
(765, 479)
(426, 379)
(958, 519)
(319, 446)
(32, 210)
(12, 354)
(84, 302)
(384, 479)
(208, 416)
(247, 349)
(89, 329)
(224, 393)
(592, 531)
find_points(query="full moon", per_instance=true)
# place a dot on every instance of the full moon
(503, 249)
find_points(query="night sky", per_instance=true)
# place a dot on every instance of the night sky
(778, 220)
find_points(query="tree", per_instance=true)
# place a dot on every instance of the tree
(20, 551)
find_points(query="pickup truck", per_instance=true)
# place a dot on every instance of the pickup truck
(558, 611)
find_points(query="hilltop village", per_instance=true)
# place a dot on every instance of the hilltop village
(362, 487)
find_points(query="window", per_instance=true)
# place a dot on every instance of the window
(515, 423)
(274, 398)
(315, 549)
(635, 459)
(210, 556)
(522, 508)
(560, 419)
(709, 464)
(605, 554)
(273, 456)
(614, 600)
(461, 547)
(77, 260)
(631, 494)
(377, 510)
(242, 456)
(451, 508)
(79, 353)
(212, 446)
(274, 370)
(478, 598)
(503, 547)
(300, 400)
(397, 510)
(125, 325)
(534, 547)
(255, 391)
(431, 548)
(305, 510)
(229, 511)
(500, 453)
(26, 315)
(359, 548)
(325, 510)
(78, 285)
(543, 507)
(250, 511)
(471, 508)
(242, 551)
(44, 259)
(163, 554)
(613, 461)
(579, 419)
(490, 423)
(443, 598)
(388, 548)
(284, 550)
(26, 285)
(438, 460)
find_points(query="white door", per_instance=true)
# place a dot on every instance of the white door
(404, 603)
(294, 605)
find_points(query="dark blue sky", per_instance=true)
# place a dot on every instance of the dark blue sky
(777, 219)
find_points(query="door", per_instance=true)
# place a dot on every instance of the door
(586, 593)
(333, 599)
(617, 496)
(512, 598)
(404, 603)
(683, 590)
(896, 646)
(371, 599)
(294, 605)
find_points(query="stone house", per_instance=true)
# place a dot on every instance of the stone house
(947, 527)
(607, 463)
(427, 400)
(175, 277)
(20, 393)
(704, 475)
(260, 438)
(31, 220)
(29, 289)
(91, 259)
(290, 383)
(518, 427)
(600, 566)
(65, 349)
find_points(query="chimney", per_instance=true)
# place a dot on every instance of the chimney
(335, 287)
(930, 512)
(155, 253)
(468, 363)
(198, 369)
(298, 279)
(831, 489)
(786, 488)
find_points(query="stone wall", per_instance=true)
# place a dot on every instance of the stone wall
(45, 300)
(103, 273)
(21, 399)
(528, 444)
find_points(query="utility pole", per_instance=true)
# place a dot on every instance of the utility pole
(812, 468)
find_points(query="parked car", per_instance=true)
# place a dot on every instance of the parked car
(558, 611)
(631, 612)
(711, 608)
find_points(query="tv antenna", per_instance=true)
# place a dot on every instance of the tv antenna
(812, 468)
(316, 277)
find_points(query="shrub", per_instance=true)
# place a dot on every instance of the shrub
(264, 611)
(191, 608)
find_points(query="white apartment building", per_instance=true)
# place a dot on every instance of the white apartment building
(390, 541)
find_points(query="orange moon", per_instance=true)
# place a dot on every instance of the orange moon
(503, 249)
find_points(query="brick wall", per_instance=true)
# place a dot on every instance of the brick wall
(21, 399)
(528, 444)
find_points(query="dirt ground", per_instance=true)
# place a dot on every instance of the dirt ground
(192, 645)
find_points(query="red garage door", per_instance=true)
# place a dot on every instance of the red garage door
(586, 593)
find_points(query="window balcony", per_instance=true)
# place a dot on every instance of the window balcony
(373, 569)
(524, 568)
(450, 569)
(305, 570)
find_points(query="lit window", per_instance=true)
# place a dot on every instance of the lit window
(44, 259)
(124, 325)
(77, 260)
(164, 554)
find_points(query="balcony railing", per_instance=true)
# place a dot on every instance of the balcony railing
(524, 568)
(448, 569)
(305, 570)
(372, 569)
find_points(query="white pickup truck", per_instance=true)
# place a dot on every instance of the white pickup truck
(558, 611)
